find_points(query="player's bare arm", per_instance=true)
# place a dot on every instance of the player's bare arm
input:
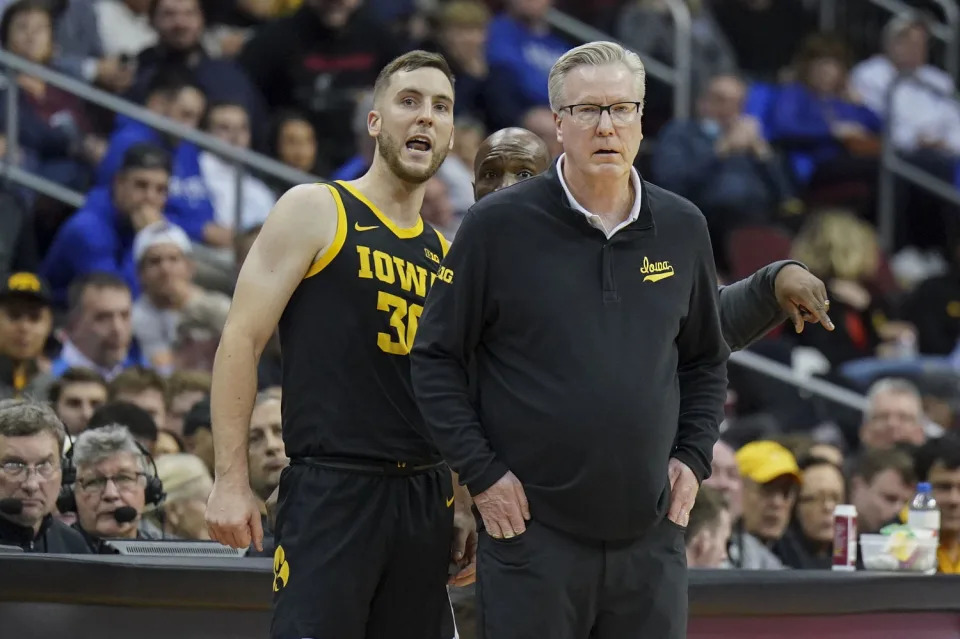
(301, 226)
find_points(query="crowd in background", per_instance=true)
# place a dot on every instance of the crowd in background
(112, 312)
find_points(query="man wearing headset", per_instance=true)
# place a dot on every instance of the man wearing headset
(31, 447)
(112, 487)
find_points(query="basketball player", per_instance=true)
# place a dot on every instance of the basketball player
(366, 516)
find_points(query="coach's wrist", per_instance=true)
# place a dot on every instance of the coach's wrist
(491, 475)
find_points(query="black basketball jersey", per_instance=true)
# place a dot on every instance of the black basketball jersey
(346, 336)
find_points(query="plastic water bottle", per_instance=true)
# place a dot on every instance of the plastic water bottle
(924, 515)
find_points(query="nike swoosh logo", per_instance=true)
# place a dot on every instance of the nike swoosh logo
(450, 502)
(656, 277)
(364, 228)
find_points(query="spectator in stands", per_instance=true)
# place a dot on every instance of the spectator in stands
(721, 162)
(142, 387)
(188, 483)
(938, 462)
(438, 209)
(934, 306)
(230, 122)
(266, 456)
(708, 531)
(843, 251)
(293, 141)
(363, 143)
(648, 26)
(771, 479)
(521, 49)
(894, 415)
(462, 39)
(831, 136)
(804, 446)
(744, 550)
(174, 95)
(54, 131)
(31, 447)
(100, 236)
(197, 433)
(168, 444)
(111, 474)
(98, 333)
(179, 25)
(456, 172)
(540, 120)
(18, 239)
(76, 395)
(132, 417)
(763, 33)
(184, 390)
(881, 484)
(318, 60)
(124, 26)
(165, 269)
(808, 541)
(25, 324)
(925, 116)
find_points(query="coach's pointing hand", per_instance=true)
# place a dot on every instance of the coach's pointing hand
(683, 491)
(504, 508)
(802, 296)
(233, 517)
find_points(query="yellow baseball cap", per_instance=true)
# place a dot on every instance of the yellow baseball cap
(764, 461)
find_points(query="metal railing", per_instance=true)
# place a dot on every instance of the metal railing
(947, 32)
(679, 76)
(242, 159)
(893, 166)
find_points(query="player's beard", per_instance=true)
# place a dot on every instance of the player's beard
(390, 150)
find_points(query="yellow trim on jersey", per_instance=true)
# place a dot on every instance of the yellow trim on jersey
(444, 243)
(402, 233)
(341, 236)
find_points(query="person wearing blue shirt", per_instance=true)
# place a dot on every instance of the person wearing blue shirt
(175, 95)
(520, 52)
(99, 236)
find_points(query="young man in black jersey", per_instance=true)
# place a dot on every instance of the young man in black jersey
(367, 525)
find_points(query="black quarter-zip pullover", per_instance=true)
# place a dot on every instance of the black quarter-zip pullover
(593, 360)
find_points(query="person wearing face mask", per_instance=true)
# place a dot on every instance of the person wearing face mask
(721, 162)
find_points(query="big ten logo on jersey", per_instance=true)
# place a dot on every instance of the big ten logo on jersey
(404, 286)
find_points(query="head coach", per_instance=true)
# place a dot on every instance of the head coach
(587, 299)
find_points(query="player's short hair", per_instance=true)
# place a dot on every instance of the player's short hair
(411, 61)
(593, 54)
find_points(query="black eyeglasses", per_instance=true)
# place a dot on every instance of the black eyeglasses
(621, 113)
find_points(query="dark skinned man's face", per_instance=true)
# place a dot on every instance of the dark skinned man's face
(508, 157)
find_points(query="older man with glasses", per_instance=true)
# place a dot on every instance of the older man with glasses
(110, 490)
(31, 445)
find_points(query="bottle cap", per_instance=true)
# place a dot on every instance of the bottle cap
(844, 510)
(923, 487)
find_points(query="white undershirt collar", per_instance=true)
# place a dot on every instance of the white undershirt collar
(595, 219)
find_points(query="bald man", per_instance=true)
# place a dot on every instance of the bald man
(749, 309)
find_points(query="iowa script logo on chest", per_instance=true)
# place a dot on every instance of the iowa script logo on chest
(656, 271)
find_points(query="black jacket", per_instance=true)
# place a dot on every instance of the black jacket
(53, 537)
(596, 360)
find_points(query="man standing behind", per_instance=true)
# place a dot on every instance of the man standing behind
(600, 371)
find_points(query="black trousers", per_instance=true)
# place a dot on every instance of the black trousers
(546, 583)
(362, 556)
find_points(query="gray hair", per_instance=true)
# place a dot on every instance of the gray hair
(98, 444)
(887, 385)
(901, 23)
(593, 54)
(23, 418)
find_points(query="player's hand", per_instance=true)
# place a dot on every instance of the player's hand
(463, 550)
(683, 491)
(233, 517)
(803, 297)
(504, 508)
